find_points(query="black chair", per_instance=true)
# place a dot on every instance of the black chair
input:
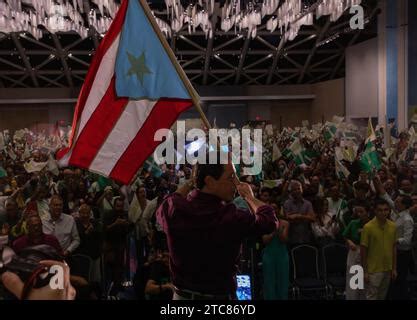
(82, 265)
(334, 264)
(292, 288)
(306, 275)
(412, 276)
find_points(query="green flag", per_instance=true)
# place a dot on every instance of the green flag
(308, 155)
(3, 172)
(341, 171)
(297, 150)
(370, 159)
(349, 135)
(151, 166)
(330, 131)
(286, 153)
(103, 182)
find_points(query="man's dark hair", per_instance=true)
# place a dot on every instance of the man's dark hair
(381, 202)
(265, 189)
(119, 199)
(401, 179)
(406, 201)
(362, 204)
(362, 186)
(335, 184)
(205, 170)
(212, 170)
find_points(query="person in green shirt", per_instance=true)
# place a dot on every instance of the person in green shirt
(275, 261)
(352, 235)
(378, 252)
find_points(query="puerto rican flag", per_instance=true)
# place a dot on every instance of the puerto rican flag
(131, 90)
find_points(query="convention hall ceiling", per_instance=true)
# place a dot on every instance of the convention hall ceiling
(233, 57)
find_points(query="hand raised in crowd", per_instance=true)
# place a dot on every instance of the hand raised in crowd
(294, 216)
(366, 277)
(15, 285)
(168, 286)
(89, 228)
(394, 274)
(5, 229)
(120, 221)
(283, 223)
(245, 191)
(352, 246)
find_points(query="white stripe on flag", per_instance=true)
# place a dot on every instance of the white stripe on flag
(123, 133)
(100, 85)
(99, 88)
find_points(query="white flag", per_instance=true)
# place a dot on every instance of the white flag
(269, 130)
(26, 154)
(53, 166)
(33, 166)
(339, 153)
(12, 155)
(2, 144)
(337, 119)
(276, 153)
(341, 171)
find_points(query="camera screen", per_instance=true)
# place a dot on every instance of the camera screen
(244, 289)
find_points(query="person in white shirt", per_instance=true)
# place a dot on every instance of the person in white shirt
(148, 214)
(40, 199)
(136, 211)
(405, 228)
(325, 228)
(406, 187)
(61, 225)
(337, 205)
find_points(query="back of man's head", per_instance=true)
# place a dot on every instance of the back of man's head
(361, 186)
(213, 168)
(406, 201)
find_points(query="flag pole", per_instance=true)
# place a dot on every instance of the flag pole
(194, 95)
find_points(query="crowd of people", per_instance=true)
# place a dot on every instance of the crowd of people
(328, 183)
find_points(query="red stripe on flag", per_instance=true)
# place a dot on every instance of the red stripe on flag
(163, 115)
(98, 127)
(105, 44)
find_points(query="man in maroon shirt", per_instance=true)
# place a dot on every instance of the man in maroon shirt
(35, 236)
(205, 230)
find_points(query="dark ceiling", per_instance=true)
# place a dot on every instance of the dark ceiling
(316, 54)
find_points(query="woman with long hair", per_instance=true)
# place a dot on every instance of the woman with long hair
(325, 228)
(275, 262)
